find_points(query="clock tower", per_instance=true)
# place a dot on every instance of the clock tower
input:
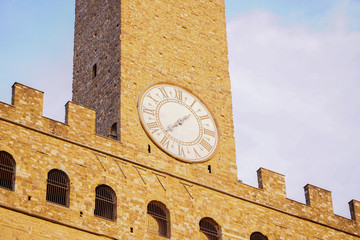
(132, 57)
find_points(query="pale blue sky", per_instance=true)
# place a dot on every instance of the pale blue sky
(305, 11)
(294, 68)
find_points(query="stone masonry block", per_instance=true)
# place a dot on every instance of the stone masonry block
(272, 182)
(27, 99)
(318, 198)
(355, 210)
(80, 118)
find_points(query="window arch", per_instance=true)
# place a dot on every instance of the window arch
(58, 187)
(105, 202)
(258, 236)
(210, 228)
(158, 219)
(7, 170)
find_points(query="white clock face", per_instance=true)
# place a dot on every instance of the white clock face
(178, 122)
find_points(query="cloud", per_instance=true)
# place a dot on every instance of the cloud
(297, 105)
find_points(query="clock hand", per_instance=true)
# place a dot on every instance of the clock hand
(182, 120)
(171, 127)
(177, 123)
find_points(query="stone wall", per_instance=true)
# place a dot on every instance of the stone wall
(39, 144)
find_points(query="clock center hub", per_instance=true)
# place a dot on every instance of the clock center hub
(178, 121)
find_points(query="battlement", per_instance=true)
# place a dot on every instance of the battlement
(27, 109)
(318, 198)
(25, 114)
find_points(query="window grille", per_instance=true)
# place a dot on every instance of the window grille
(210, 228)
(258, 236)
(7, 170)
(105, 202)
(159, 222)
(58, 187)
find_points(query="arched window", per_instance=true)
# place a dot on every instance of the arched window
(7, 170)
(210, 228)
(105, 202)
(113, 132)
(258, 236)
(158, 218)
(58, 187)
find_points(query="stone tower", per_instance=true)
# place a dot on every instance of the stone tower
(123, 46)
(97, 62)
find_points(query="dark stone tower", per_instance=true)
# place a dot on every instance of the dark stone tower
(97, 62)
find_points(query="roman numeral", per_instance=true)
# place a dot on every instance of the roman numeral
(196, 153)
(164, 93)
(148, 111)
(209, 132)
(204, 117)
(193, 104)
(153, 127)
(181, 151)
(149, 96)
(178, 94)
(165, 141)
(206, 145)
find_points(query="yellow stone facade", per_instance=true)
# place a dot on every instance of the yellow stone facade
(182, 42)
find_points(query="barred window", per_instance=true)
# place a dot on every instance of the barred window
(210, 229)
(7, 170)
(58, 187)
(258, 236)
(158, 219)
(105, 202)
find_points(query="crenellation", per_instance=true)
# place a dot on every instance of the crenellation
(28, 99)
(80, 119)
(28, 103)
(319, 199)
(27, 109)
(272, 182)
(354, 206)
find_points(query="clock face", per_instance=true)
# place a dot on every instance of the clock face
(178, 122)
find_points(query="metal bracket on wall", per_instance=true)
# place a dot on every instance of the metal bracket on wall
(42, 152)
(117, 163)
(137, 169)
(157, 176)
(185, 186)
(98, 158)
(318, 238)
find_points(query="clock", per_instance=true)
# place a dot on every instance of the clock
(178, 122)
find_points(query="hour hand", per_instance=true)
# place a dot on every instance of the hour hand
(180, 121)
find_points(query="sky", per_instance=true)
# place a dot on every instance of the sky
(295, 75)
